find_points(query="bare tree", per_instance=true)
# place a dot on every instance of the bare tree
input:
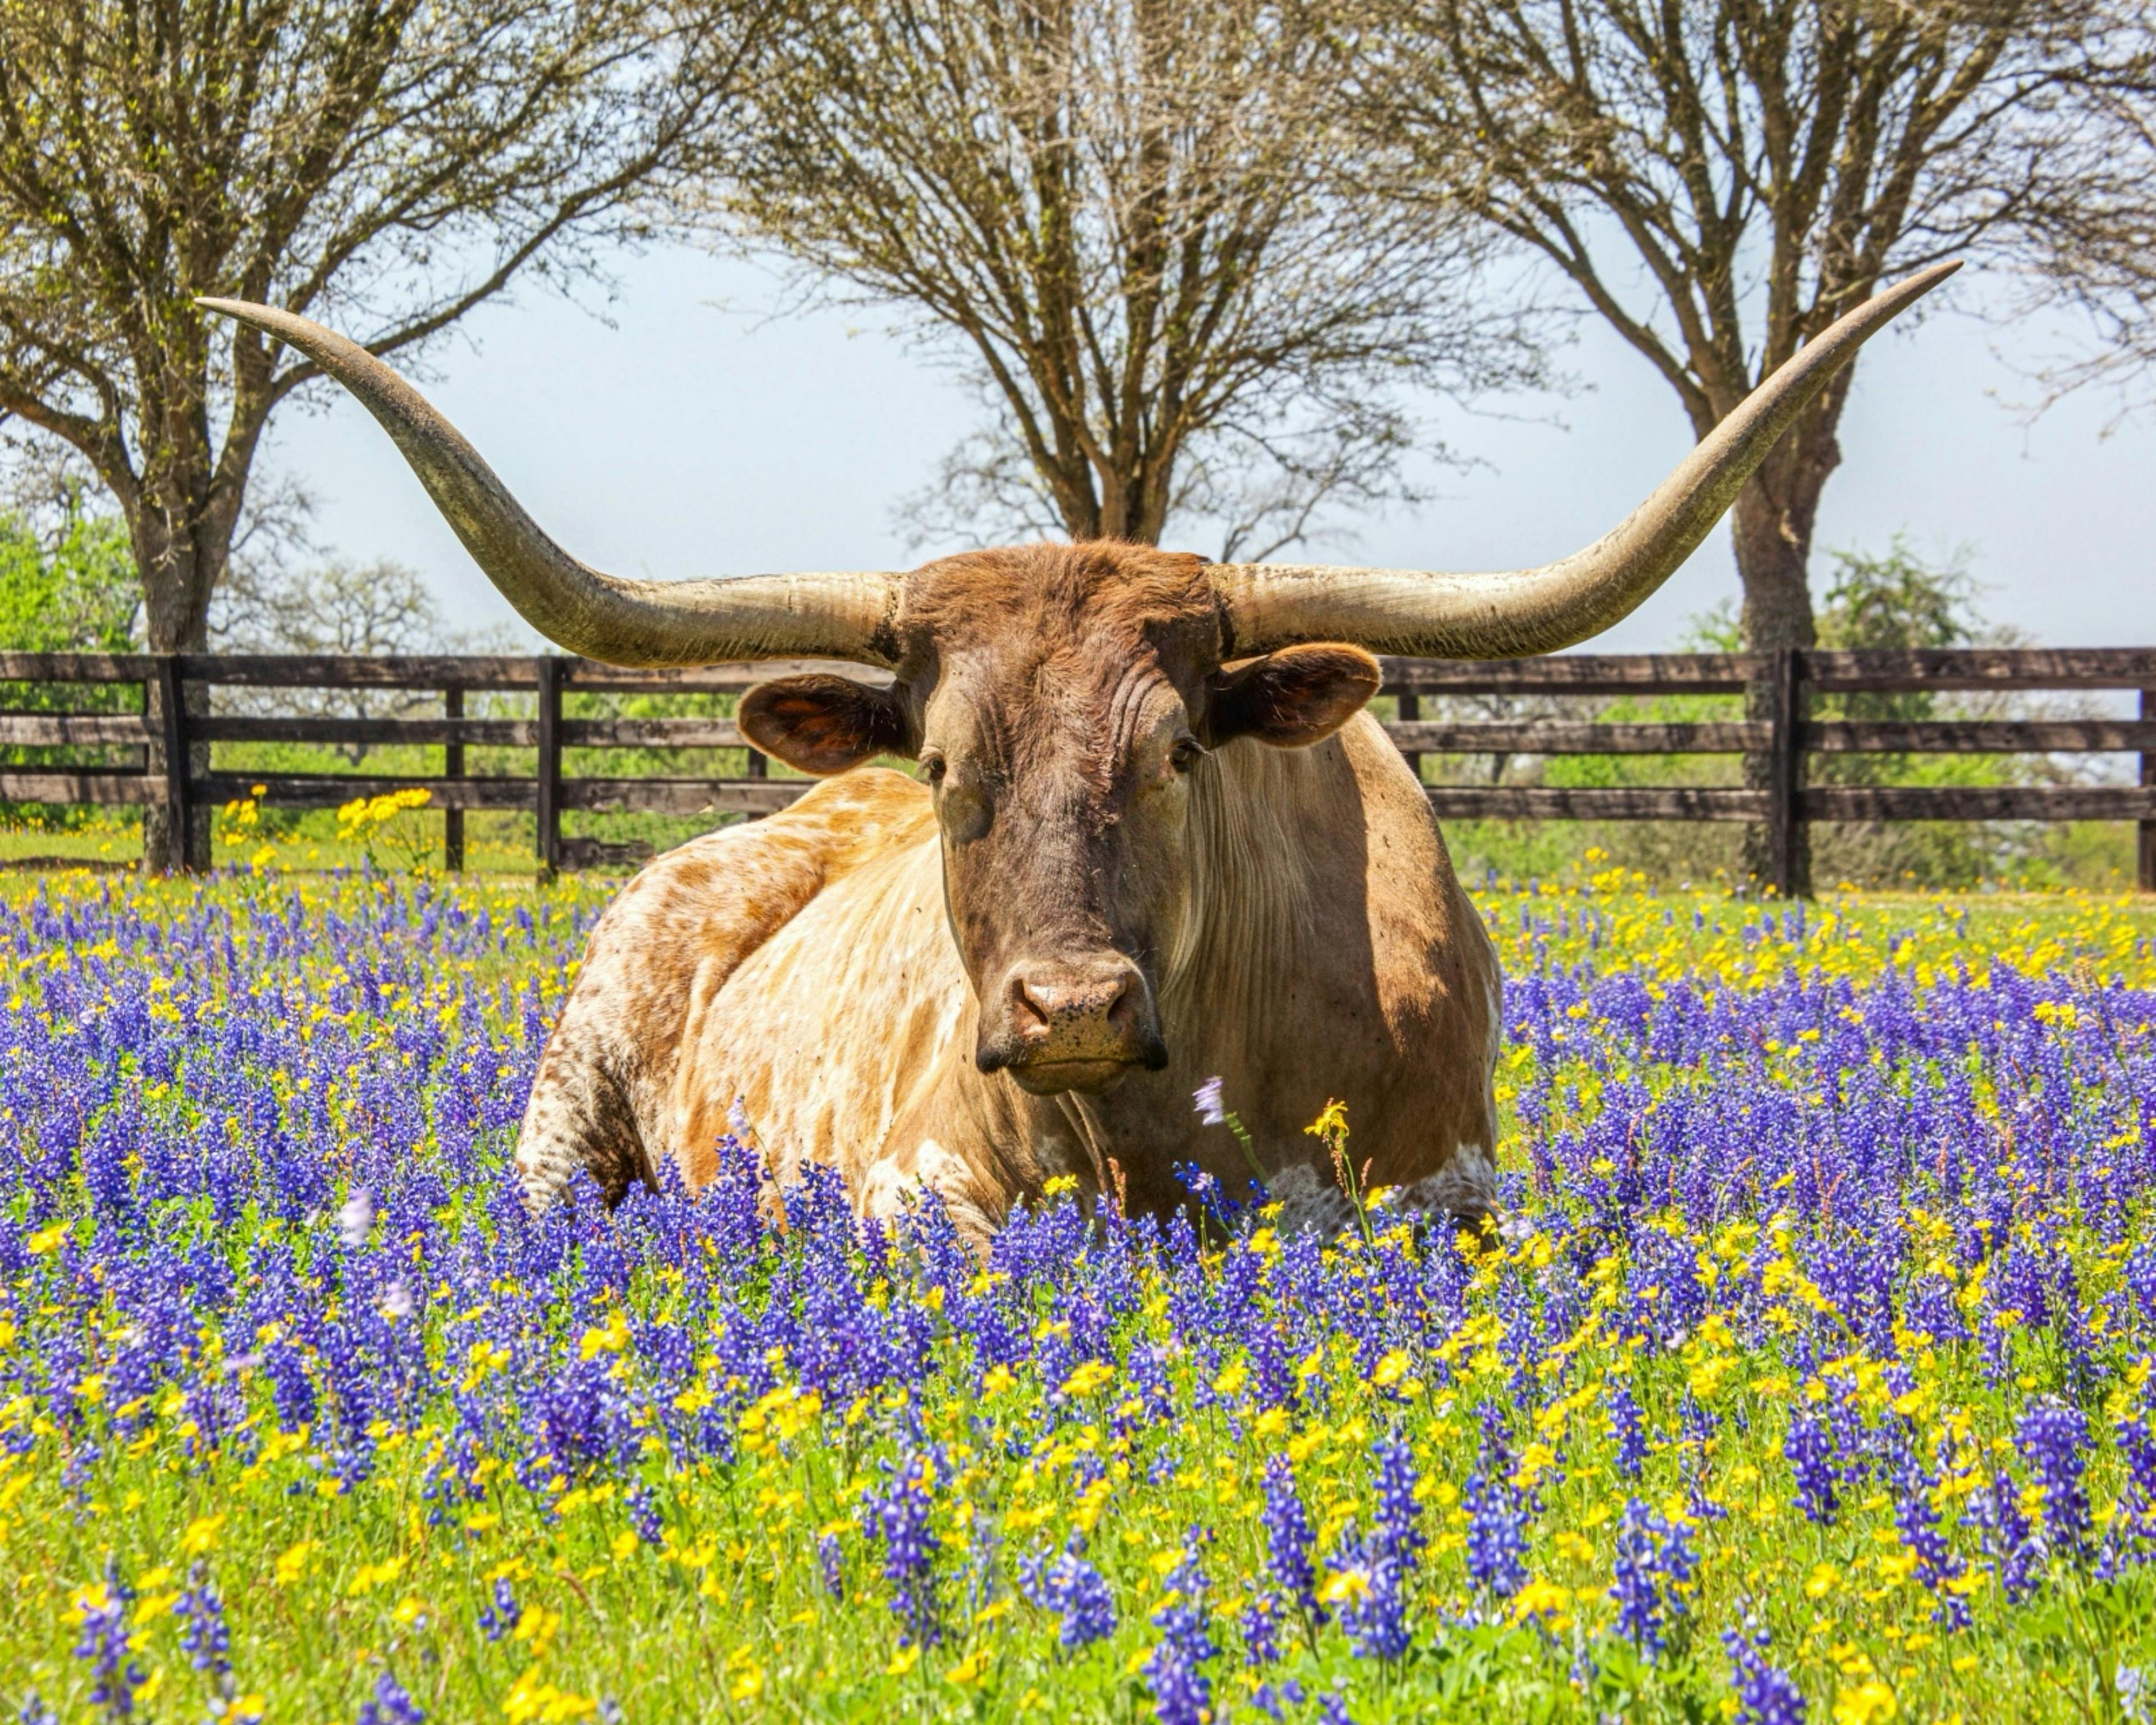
(1133, 225)
(384, 164)
(2102, 269)
(1722, 179)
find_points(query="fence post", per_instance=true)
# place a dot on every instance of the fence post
(179, 806)
(546, 799)
(1410, 710)
(2146, 830)
(452, 767)
(1784, 775)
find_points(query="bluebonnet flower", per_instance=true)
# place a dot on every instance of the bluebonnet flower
(1273, 1700)
(2010, 1539)
(1259, 1624)
(1764, 1695)
(1918, 1518)
(1289, 1538)
(1655, 1565)
(1379, 1568)
(1808, 1448)
(898, 1515)
(498, 1619)
(1182, 1692)
(831, 1565)
(2053, 1437)
(1399, 1516)
(205, 1639)
(1627, 1428)
(642, 1504)
(1076, 1591)
(1371, 1583)
(1496, 1534)
(391, 1705)
(106, 1644)
(2130, 1538)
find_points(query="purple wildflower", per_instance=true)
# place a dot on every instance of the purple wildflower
(205, 1639)
(393, 1705)
(107, 1643)
(1496, 1534)
(499, 1618)
(1627, 1428)
(1808, 1448)
(1289, 1538)
(1182, 1692)
(2130, 1539)
(899, 1516)
(1764, 1695)
(2053, 1438)
(1273, 1700)
(1937, 1566)
(1655, 1565)
(1077, 1592)
(2013, 1549)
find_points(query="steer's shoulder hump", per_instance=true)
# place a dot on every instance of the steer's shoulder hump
(866, 790)
(785, 858)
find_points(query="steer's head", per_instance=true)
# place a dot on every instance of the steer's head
(1059, 700)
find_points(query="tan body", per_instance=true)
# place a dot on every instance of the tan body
(803, 966)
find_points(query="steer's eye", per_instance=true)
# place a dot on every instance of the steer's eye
(935, 767)
(1185, 755)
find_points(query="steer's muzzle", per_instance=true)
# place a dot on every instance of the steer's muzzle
(1071, 1023)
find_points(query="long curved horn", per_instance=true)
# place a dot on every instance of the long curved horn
(1425, 614)
(641, 623)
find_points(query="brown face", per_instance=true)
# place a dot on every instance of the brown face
(1061, 701)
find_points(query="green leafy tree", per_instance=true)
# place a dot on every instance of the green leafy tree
(69, 588)
(74, 590)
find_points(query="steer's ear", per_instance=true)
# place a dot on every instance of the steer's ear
(1292, 698)
(822, 724)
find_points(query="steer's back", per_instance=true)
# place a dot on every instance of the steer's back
(713, 974)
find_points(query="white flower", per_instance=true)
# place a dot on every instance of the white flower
(1211, 1111)
(737, 1119)
(396, 1302)
(355, 1221)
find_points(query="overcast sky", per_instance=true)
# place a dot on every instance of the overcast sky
(691, 436)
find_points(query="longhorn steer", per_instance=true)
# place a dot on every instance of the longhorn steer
(1159, 841)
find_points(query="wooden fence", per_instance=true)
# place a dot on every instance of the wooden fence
(169, 720)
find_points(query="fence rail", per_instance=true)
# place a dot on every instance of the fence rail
(171, 729)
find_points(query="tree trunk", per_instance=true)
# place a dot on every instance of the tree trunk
(1772, 528)
(180, 566)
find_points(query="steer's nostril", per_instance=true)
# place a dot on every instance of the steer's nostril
(1123, 1008)
(1028, 1013)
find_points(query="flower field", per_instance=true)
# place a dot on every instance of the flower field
(1808, 1375)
